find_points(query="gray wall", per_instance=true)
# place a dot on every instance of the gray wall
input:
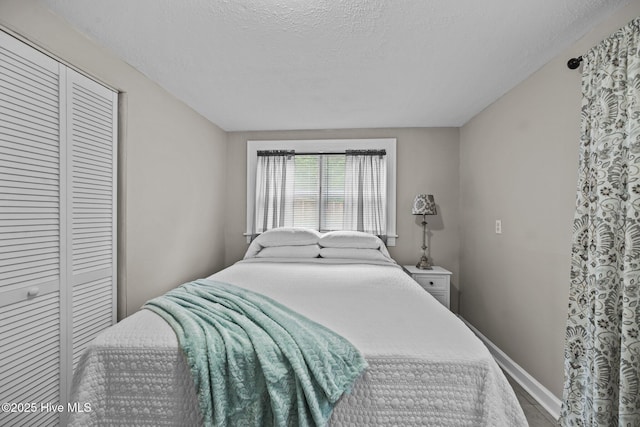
(172, 172)
(427, 160)
(518, 163)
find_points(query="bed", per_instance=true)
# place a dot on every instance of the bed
(425, 367)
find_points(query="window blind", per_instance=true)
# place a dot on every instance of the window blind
(318, 199)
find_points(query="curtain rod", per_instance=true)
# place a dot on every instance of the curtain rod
(574, 63)
(317, 153)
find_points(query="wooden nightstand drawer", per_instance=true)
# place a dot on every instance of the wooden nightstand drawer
(442, 296)
(432, 283)
(435, 281)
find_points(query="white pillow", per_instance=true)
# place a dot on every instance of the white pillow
(353, 253)
(306, 251)
(350, 239)
(288, 236)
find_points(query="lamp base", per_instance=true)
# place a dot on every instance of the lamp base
(424, 264)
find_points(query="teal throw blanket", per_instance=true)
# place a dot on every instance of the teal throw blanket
(254, 361)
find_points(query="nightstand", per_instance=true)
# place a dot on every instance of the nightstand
(436, 281)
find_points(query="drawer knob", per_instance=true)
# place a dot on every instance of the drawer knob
(32, 292)
(431, 283)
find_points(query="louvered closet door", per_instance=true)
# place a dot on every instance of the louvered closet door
(91, 144)
(30, 230)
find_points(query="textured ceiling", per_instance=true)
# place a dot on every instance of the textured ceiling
(329, 64)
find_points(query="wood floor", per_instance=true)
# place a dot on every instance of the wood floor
(536, 415)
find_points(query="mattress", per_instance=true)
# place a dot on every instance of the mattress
(425, 366)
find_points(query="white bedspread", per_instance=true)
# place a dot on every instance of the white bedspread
(425, 366)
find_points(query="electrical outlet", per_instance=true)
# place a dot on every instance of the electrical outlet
(498, 226)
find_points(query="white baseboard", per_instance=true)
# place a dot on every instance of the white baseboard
(540, 393)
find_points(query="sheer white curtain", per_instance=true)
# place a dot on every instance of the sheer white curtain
(365, 195)
(274, 190)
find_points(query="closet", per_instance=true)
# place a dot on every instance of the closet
(57, 227)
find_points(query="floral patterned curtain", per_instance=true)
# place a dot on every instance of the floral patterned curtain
(602, 352)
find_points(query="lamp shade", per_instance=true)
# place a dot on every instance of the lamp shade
(424, 204)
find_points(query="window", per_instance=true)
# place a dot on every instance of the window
(318, 191)
(314, 194)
